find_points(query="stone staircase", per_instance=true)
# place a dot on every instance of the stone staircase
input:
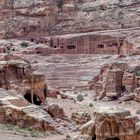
(61, 125)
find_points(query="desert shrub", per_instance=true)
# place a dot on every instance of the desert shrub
(91, 105)
(24, 44)
(80, 98)
(34, 133)
(138, 73)
(8, 51)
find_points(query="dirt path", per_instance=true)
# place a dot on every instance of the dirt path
(11, 135)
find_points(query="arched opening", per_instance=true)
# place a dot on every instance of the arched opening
(123, 89)
(114, 98)
(34, 100)
(37, 100)
(28, 97)
(32, 40)
(115, 138)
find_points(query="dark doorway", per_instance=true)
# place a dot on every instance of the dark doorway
(100, 46)
(94, 138)
(115, 138)
(28, 97)
(71, 47)
(32, 40)
(123, 89)
(36, 99)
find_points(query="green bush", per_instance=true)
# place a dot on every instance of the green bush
(24, 44)
(138, 73)
(80, 98)
(34, 134)
(91, 105)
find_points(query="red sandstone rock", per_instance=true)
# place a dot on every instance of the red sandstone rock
(81, 117)
(111, 124)
(55, 111)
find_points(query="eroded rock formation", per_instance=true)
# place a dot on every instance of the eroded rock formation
(23, 99)
(19, 75)
(111, 124)
(118, 79)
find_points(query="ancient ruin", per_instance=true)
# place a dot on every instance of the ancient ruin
(70, 68)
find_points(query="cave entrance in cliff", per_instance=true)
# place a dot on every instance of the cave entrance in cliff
(94, 138)
(123, 89)
(115, 138)
(34, 100)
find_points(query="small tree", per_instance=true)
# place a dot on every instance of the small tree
(80, 98)
(24, 44)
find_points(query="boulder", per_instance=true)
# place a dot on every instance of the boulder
(80, 117)
(55, 111)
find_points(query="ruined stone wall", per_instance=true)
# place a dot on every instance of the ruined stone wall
(87, 44)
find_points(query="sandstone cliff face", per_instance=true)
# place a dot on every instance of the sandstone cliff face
(112, 125)
(39, 17)
(91, 15)
(22, 18)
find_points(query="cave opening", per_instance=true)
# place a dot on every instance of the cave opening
(114, 98)
(32, 40)
(123, 89)
(34, 100)
(94, 138)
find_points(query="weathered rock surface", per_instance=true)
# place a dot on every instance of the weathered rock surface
(112, 124)
(43, 17)
(17, 74)
(81, 117)
(37, 20)
(118, 79)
